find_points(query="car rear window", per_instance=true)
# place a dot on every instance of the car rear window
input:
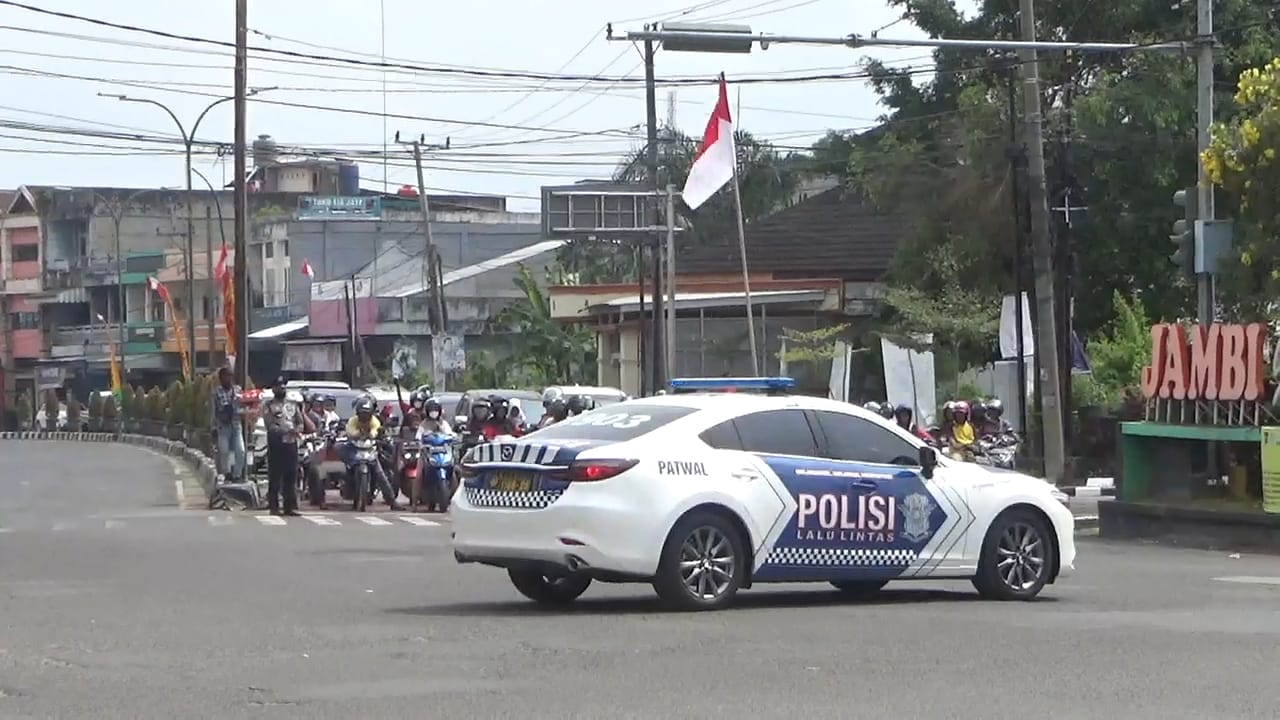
(616, 423)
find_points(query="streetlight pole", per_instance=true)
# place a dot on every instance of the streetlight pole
(678, 37)
(188, 141)
(208, 263)
(117, 209)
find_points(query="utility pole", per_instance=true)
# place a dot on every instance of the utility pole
(1017, 154)
(1204, 119)
(241, 277)
(208, 283)
(671, 279)
(651, 115)
(1064, 262)
(435, 276)
(1052, 421)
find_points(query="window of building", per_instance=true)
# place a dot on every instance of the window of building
(26, 253)
(24, 321)
(268, 250)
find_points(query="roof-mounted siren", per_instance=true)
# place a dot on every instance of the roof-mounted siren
(766, 385)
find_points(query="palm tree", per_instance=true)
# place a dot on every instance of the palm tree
(547, 352)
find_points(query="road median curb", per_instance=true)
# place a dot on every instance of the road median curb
(201, 465)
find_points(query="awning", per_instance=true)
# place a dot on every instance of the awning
(709, 300)
(281, 330)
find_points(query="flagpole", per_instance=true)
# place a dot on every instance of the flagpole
(746, 280)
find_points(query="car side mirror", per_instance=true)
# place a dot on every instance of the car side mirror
(928, 460)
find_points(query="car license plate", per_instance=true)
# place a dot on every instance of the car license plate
(511, 481)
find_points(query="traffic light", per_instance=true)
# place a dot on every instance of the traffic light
(1184, 231)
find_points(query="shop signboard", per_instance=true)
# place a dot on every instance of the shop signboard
(1271, 469)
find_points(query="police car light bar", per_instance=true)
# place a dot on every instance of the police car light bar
(776, 385)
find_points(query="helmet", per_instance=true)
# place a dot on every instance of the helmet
(873, 406)
(577, 404)
(481, 410)
(995, 408)
(960, 406)
(419, 398)
(886, 411)
(366, 406)
(498, 407)
(549, 396)
(903, 409)
(979, 407)
(559, 408)
(429, 406)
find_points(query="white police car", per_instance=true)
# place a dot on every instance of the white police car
(704, 494)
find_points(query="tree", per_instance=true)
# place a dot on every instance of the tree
(1130, 118)
(546, 352)
(1242, 159)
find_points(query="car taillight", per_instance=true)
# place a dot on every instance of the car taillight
(593, 470)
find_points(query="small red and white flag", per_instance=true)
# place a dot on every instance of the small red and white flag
(306, 270)
(714, 165)
(157, 287)
(220, 270)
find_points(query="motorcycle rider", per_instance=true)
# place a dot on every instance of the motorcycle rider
(902, 414)
(578, 404)
(558, 410)
(963, 435)
(886, 410)
(516, 421)
(482, 424)
(433, 419)
(364, 425)
(549, 398)
(992, 423)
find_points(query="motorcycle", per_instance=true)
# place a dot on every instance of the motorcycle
(410, 452)
(437, 485)
(309, 483)
(365, 452)
(387, 457)
(999, 450)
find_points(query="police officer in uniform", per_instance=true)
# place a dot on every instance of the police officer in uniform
(283, 419)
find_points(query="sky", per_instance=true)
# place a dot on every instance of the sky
(507, 135)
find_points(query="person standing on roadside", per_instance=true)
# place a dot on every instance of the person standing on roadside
(283, 418)
(228, 427)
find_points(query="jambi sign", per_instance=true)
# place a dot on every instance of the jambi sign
(1220, 362)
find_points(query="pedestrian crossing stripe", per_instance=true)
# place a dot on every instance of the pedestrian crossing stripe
(372, 520)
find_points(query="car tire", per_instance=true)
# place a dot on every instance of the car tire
(713, 542)
(548, 591)
(1018, 553)
(858, 587)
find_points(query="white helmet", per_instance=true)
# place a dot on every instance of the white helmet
(550, 394)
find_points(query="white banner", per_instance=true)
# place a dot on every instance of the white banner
(909, 378)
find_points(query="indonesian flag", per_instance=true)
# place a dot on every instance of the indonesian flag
(220, 270)
(714, 165)
(157, 287)
(306, 270)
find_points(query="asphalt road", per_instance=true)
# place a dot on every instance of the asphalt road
(116, 603)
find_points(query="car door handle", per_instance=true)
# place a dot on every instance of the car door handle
(864, 484)
(745, 475)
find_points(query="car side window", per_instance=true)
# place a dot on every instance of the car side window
(857, 439)
(777, 432)
(722, 437)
